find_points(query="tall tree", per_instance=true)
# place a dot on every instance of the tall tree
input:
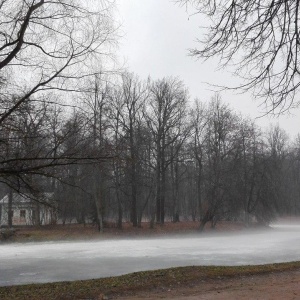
(250, 169)
(129, 104)
(48, 46)
(99, 125)
(165, 118)
(219, 147)
(199, 120)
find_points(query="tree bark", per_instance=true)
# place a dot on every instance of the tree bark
(10, 211)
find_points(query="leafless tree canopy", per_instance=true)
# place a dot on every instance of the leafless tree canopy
(260, 39)
(46, 45)
(46, 48)
(138, 150)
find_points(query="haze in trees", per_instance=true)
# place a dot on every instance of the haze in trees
(127, 149)
(46, 48)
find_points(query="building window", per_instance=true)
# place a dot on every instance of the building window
(23, 213)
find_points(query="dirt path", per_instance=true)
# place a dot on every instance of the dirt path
(285, 285)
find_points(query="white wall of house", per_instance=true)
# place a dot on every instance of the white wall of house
(21, 216)
(24, 213)
(25, 216)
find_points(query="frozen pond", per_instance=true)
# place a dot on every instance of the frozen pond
(60, 261)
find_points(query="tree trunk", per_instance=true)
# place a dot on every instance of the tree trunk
(133, 195)
(10, 211)
(99, 215)
(37, 220)
(175, 190)
(97, 194)
(161, 186)
(120, 212)
(199, 193)
(158, 194)
(206, 218)
(162, 199)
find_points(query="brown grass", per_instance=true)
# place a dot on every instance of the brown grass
(78, 231)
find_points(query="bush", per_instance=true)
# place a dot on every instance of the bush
(6, 233)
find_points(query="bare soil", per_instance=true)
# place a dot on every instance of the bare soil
(272, 286)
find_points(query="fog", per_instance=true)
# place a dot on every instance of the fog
(64, 261)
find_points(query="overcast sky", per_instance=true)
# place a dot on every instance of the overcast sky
(157, 36)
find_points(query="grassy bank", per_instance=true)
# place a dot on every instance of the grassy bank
(92, 289)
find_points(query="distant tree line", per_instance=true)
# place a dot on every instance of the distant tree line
(135, 150)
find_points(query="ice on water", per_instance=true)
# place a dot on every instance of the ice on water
(59, 261)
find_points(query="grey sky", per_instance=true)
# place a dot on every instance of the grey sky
(157, 36)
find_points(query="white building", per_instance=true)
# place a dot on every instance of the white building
(25, 209)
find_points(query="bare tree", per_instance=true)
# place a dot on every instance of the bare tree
(292, 194)
(47, 45)
(165, 118)
(47, 48)
(260, 40)
(250, 169)
(97, 102)
(220, 149)
(199, 122)
(128, 105)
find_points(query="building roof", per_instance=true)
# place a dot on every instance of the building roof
(27, 198)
